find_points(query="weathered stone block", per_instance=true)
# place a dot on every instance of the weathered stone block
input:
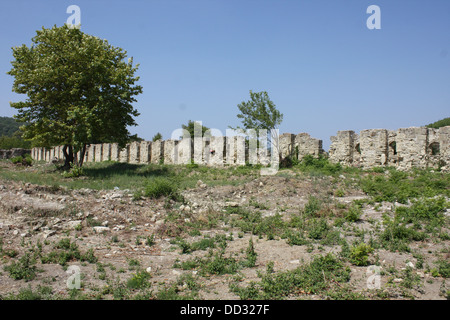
(216, 151)
(286, 145)
(106, 152)
(412, 146)
(443, 148)
(124, 154)
(306, 145)
(145, 152)
(115, 152)
(184, 151)
(91, 153)
(134, 152)
(374, 147)
(157, 152)
(98, 152)
(240, 151)
(169, 151)
(342, 147)
(198, 150)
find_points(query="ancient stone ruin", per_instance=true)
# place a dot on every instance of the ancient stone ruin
(212, 151)
(406, 148)
(15, 152)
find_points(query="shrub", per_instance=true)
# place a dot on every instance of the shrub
(353, 214)
(444, 268)
(139, 280)
(74, 172)
(320, 163)
(318, 229)
(25, 161)
(23, 269)
(159, 187)
(359, 255)
(314, 278)
(312, 206)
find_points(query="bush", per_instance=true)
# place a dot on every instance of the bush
(318, 229)
(25, 161)
(312, 278)
(353, 214)
(359, 255)
(13, 142)
(74, 172)
(401, 186)
(23, 269)
(309, 163)
(312, 206)
(159, 187)
(139, 280)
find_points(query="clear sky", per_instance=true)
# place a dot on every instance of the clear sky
(320, 64)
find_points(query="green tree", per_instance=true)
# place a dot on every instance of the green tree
(190, 127)
(441, 123)
(8, 126)
(259, 113)
(156, 137)
(80, 91)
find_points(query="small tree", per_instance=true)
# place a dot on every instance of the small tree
(157, 137)
(190, 127)
(80, 91)
(259, 113)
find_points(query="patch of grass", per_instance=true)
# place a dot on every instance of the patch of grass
(159, 187)
(251, 255)
(25, 161)
(139, 280)
(24, 268)
(217, 263)
(41, 293)
(73, 172)
(312, 206)
(295, 238)
(443, 268)
(353, 213)
(400, 186)
(68, 251)
(397, 237)
(314, 278)
(253, 221)
(319, 164)
(186, 287)
(133, 264)
(359, 254)
(318, 228)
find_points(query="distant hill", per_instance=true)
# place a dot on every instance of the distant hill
(441, 123)
(10, 136)
(8, 126)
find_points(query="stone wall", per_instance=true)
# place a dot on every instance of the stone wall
(405, 148)
(209, 150)
(8, 154)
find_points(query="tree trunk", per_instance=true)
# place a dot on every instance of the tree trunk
(82, 154)
(68, 155)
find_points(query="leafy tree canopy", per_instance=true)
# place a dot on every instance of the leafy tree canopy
(190, 127)
(8, 126)
(259, 113)
(80, 90)
(441, 123)
(157, 137)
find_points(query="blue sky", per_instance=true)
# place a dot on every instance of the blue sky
(320, 64)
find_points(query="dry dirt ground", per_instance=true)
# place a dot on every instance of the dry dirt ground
(117, 227)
